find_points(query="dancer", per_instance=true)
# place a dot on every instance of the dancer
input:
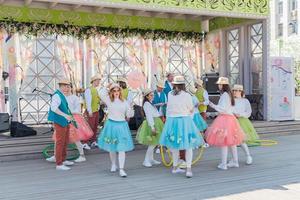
(168, 83)
(92, 102)
(198, 120)
(225, 130)
(202, 96)
(180, 132)
(82, 132)
(115, 137)
(126, 93)
(160, 100)
(60, 115)
(151, 128)
(242, 110)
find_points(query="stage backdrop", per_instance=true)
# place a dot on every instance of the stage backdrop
(282, 89)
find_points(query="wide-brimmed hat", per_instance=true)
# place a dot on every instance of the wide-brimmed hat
(96, 77)
(122, 79)
(192, 90)
(64, 81)
(114, 85)
(199, 82)
(238, 87)
(178, 80)
(223, 81)
(146, 92)
(160, 84)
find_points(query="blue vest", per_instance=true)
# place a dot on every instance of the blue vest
(58, 119)
(160, 99)
(167, 88)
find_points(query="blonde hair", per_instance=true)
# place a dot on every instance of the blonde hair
(111, 94)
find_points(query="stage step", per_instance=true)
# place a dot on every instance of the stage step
(31, 147)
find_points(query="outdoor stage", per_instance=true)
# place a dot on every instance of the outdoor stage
(274, 175)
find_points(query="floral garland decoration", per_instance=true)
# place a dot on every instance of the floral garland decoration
(84, 32)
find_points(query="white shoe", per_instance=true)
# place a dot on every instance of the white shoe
(147, 164)
(86, 146)
(122, 173)
(94, 145)
(113, 168)
(157, 151)
(80, 159)
(155, 162)
(51, 159)
(62, 167)
(177, 171)
(249, 160)
(189, 174)
(68, 163)
(231, 164)
(222, 166)
(206, 145)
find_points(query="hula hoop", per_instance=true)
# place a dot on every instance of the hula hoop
(262, 143)
(71, 147)
(169, 164)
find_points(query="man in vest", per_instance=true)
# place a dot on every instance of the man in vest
(92, 102)
(168, 83)
(126, 93)
(160, 99)
(202, 96)
(60, 115)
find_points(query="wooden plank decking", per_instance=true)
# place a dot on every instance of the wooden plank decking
(275, 174)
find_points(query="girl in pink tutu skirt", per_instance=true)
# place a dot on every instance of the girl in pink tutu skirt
(225, 130)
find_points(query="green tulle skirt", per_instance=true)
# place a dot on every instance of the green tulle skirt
(144, 133)
(249, 130)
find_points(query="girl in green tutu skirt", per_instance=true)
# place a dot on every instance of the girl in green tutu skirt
(150, 130)
(242, 110)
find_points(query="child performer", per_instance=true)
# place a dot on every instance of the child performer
(242, 110)
(202, 96)
(180, 132)
(150, 130)
(160, 100)
(115, 137)
(225, 130)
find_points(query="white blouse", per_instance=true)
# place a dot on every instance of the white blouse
(196, 104)
(117, 110)
(151, 113)
(242, 107)
(224, 105)
(180, 105)
(74, 103)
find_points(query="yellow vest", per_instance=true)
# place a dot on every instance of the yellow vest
(200, 97)
(125, 93)
(95, 99)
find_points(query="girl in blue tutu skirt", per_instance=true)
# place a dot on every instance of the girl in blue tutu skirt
(116, 137)
(180, 131)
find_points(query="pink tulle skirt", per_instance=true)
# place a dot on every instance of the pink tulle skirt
(224, 131)
(83, 132)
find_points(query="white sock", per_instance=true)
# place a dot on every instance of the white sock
(151, 152)
(113, 158)
(122, 157)
(80, 148)
(224, 153)
(234, 154)
(246, 149)
(175, 156)
(189, 157)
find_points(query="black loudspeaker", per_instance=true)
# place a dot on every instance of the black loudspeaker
(4, 121)
(138, 118)
(209, 82)
(18, 129)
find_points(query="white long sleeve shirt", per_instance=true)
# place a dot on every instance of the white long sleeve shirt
(151, 113)
(117, 110)
(196, 104)
(55, 102)
(206, 98)
(224, 105)
(180, 105)
(88, 100)
(74, 104)
(242, 107)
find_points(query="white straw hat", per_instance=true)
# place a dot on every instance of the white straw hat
(64, 81)
(178, 80)
(96, 77)
(238, 87)
(223, 81)
(114, 85)
(146, 92)
(199, 82)
(160, 84)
